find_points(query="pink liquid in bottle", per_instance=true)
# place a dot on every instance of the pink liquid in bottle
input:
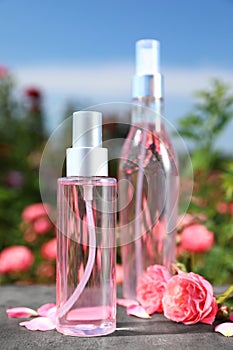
(93, 311)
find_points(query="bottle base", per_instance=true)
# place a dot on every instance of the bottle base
(87, 330)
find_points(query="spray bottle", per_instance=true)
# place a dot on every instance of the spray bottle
(86, 253)
(148, 176)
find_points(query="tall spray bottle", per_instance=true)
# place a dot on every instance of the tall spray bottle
(86, 250)
(148, 176)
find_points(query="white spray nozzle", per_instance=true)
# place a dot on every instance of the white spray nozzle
(87, 157)
(87, 129)
(147, 57)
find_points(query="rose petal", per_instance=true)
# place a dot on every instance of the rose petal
(225, 328)
(52, 313)
(231, 317)
(39, 324)
(20, 312)
(44, 309)
(127, 302)
(209, 319)
(138, 311)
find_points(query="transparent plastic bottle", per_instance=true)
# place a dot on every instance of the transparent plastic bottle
(86, 247)
(148, 177)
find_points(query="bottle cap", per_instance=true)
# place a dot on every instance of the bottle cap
(147, 81)
(147, 57)
(87, 157)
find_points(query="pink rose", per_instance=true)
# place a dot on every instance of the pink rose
(42, 225)
(34, 211)
(49, 249)
(189, 298)
(151, 286)
(197, 239)
(15, 259)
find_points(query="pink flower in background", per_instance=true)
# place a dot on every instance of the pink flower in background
(3, 72)
(151, 286)
(185, 220)
(15, 259)
(35, 211)
(45, 271)
(119, 274)
(225, 208)
(14, 178)
(49, 249)
(36, 215)
(189, 219)
(42, 225)
(189, 299)
(222, 208)
(29, 235)
(33, 92)
(197, 239)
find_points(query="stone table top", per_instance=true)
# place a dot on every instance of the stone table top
(132, 333)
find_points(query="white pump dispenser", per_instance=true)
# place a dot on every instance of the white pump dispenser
(147, 81)
(147, 57)
(87, 157)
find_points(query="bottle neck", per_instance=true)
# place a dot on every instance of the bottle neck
(147, 111)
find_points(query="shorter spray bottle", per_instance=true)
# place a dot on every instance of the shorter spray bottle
(86, 249)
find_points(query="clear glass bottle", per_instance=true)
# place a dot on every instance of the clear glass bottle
(148, 177)
(86, 247)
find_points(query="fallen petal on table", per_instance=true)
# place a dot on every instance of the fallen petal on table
(225, 328)
(39, 324)
(20, 312)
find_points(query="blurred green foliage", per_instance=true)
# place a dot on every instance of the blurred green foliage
(213, 179)
(22, 137)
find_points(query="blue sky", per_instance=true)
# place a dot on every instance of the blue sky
(84, 50)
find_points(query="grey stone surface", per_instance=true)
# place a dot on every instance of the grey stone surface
(132, 333)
